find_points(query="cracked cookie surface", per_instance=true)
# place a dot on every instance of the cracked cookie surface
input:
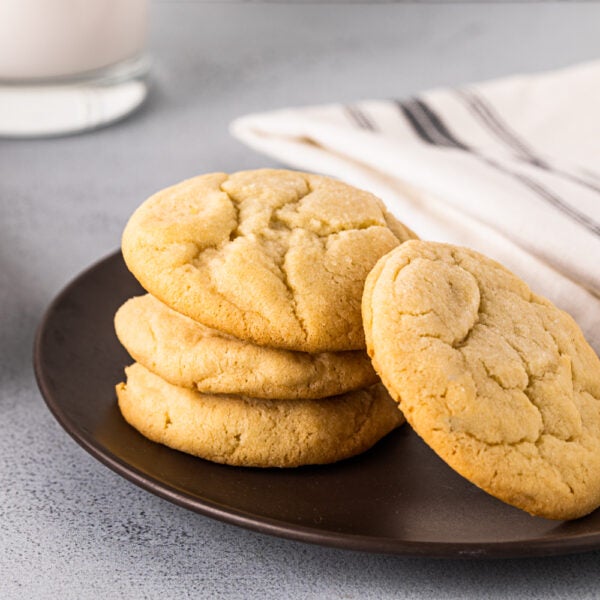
(497, 380)
(275, 257)
(243, 431)
(188, 354)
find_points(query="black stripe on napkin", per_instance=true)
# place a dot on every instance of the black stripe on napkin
(558, 203)
(501, 130)
(360, 118)
(492, 120)
(420, 107)
(427, 125)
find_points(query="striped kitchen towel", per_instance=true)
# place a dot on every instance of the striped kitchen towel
(510, 168)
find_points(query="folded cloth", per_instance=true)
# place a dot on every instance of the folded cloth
(509, 167)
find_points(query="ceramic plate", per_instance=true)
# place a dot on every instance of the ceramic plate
(398, 498)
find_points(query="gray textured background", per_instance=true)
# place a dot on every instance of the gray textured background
(69, 527)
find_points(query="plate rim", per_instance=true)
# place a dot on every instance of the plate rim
(542, 546)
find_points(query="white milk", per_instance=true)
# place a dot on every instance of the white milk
(63, 38)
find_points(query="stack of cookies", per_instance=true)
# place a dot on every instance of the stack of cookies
(249, 347)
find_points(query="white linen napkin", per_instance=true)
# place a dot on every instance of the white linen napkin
(510, 168)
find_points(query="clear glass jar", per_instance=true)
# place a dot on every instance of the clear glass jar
(70, 65)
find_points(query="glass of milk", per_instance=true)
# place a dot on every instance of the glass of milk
(70, 65)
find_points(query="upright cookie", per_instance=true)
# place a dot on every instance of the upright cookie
(242, 431)
(497, 380)
(275, 257)
(188, 354)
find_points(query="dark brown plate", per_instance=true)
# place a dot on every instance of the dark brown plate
(398, 498)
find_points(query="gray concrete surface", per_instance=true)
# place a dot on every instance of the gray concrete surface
(69, 527)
